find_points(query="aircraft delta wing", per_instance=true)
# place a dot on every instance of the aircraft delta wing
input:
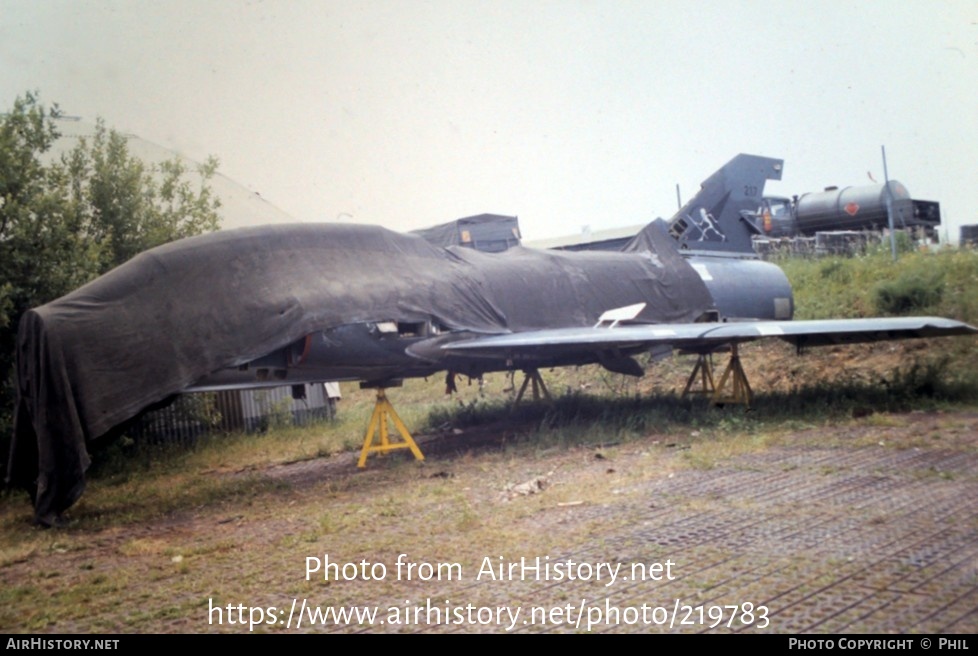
(701, 337)
(614, 345)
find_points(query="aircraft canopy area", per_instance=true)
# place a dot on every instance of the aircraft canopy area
(94, 359)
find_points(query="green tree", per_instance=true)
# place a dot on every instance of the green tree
(65, 220)
(39, 227)
(134, 206)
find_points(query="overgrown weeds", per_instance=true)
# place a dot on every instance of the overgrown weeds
(910, 293)
(940, 282)
(602, 418)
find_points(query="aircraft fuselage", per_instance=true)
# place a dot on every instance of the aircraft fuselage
(388, 349)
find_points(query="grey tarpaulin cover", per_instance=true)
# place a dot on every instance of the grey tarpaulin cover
(648, 238)
(94, 359)
(484, 232)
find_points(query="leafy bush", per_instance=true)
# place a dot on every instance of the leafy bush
(66, 219)
(910, 293)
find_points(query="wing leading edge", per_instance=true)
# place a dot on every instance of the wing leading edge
(706, 337)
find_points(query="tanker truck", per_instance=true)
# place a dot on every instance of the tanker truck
(847, 209)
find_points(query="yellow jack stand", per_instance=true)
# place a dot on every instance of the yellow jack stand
(384, 412)
(740, 389)
(539, 389)
(704, 367)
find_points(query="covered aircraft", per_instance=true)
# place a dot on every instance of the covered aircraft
(273, 305)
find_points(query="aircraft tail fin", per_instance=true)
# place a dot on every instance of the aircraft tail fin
(717, 218)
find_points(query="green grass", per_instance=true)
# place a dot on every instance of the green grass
(943, 281)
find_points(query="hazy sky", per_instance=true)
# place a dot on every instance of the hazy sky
(566, 113)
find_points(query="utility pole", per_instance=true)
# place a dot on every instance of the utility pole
(889, 206)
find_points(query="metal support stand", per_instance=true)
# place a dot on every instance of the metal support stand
(384, 412)
(539, 389)
(740, 391)
(704, 367)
